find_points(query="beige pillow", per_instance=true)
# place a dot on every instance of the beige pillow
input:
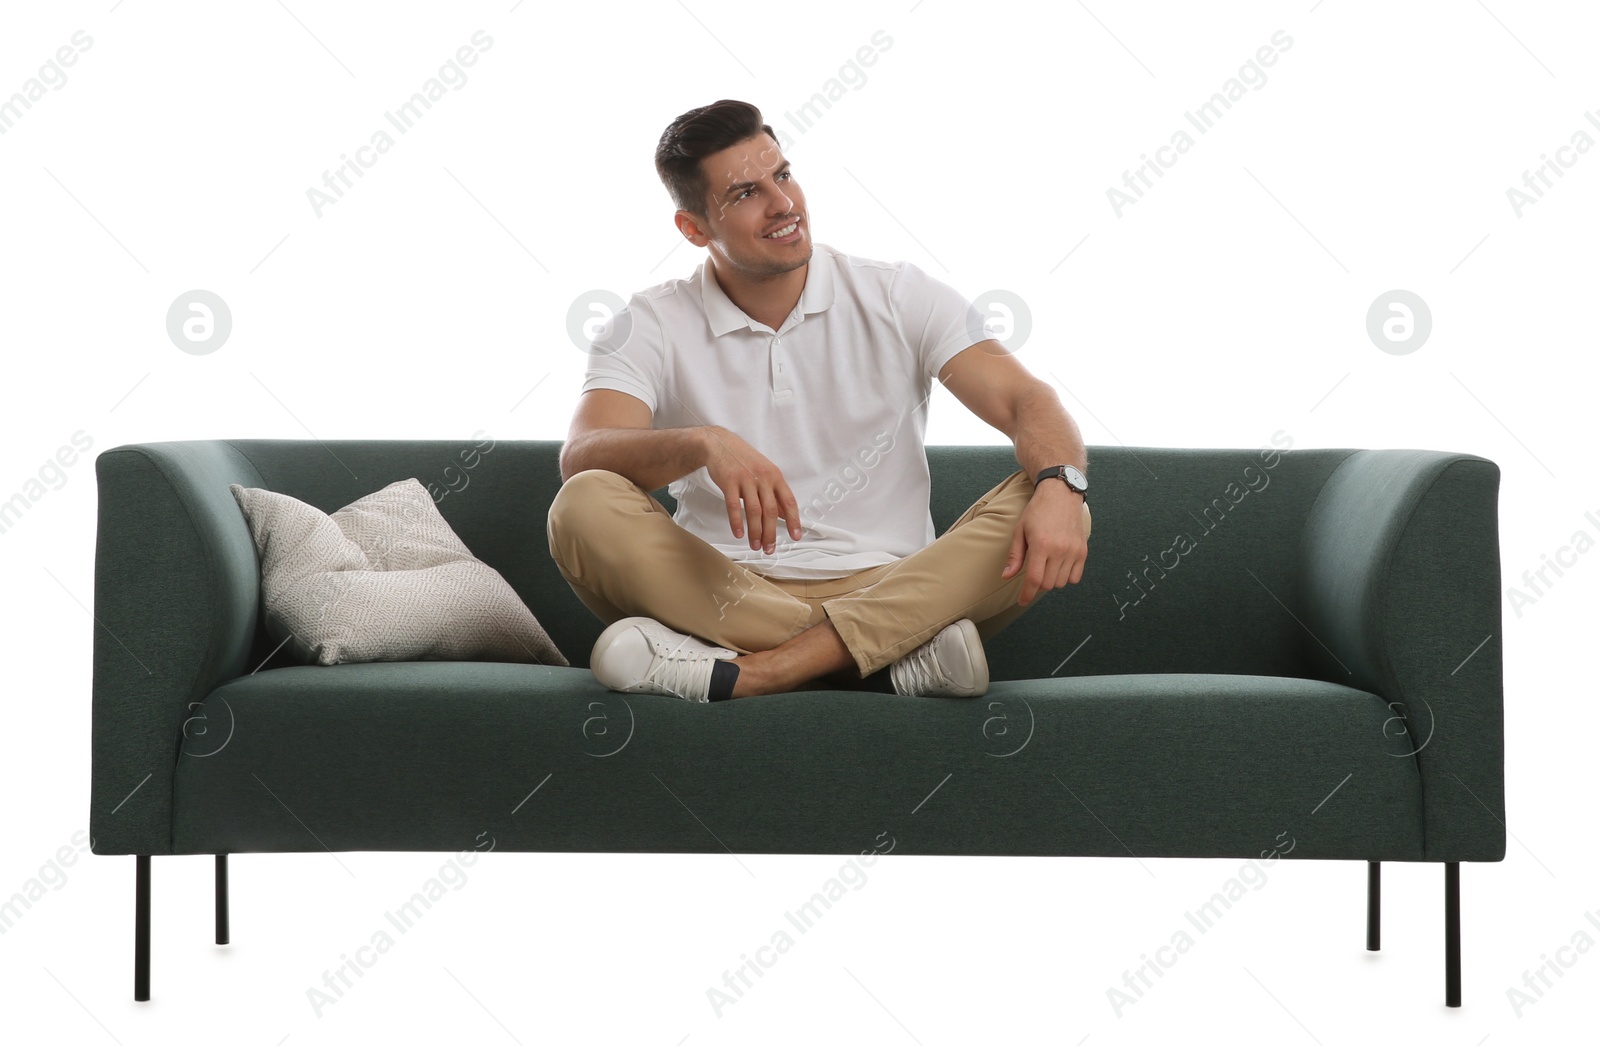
(383, 579)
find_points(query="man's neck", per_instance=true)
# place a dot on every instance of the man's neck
(769, 300)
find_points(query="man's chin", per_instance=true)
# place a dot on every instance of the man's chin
(783, 264)
(796, 256)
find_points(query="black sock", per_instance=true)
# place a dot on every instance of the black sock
(723, 675)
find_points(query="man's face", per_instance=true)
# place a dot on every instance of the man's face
(751, 192)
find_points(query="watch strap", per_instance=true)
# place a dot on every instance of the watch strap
(1057, 472)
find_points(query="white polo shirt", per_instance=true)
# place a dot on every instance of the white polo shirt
(837, 398)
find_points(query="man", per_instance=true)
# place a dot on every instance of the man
(786, 381)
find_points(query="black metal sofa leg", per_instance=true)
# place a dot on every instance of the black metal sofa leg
(1452, 933)
(222, 898)
(1374, 902)
(141, 928)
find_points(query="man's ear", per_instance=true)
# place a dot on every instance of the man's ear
(693, 227)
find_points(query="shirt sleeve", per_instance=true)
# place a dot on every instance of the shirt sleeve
(626, 354)
(935, 319)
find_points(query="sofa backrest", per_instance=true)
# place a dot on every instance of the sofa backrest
(1192, 564)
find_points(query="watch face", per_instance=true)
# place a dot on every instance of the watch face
(1076, 478)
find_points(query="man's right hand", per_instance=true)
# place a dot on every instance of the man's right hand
(753, 487)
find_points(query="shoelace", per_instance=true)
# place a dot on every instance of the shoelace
(920, 671)
(681, 672)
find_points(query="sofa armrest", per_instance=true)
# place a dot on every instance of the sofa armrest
(1400, 580)
(176, 595)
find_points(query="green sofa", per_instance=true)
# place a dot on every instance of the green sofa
(1271, 654)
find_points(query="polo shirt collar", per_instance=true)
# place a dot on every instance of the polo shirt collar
(725, 316)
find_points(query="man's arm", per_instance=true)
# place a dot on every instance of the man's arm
(1051, 538)
(1001, 391)
(611, 430)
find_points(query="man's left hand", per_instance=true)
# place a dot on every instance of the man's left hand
(1051, 539)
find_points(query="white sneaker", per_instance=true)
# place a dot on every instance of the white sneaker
(640, 655)
(951, 664)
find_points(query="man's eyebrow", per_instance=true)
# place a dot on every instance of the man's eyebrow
(784, 166)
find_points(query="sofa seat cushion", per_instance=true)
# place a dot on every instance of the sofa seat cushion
(430, 755)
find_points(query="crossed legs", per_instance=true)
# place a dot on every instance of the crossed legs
(817, 653)
(624, 555)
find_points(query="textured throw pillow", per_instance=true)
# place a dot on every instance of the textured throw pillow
(383, 579)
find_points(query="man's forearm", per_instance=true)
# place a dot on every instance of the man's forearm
(651, 458)
(1046, 434)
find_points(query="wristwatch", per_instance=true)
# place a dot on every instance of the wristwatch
(1068, 475)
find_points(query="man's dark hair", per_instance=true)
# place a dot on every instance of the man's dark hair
(697, 134)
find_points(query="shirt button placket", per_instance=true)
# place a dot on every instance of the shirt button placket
(782, 390)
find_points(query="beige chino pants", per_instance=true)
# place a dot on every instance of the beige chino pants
(624, 555)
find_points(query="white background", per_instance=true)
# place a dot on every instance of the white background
(431, 300)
